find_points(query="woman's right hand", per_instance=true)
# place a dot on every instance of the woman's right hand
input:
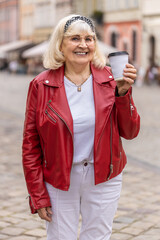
(45, 213)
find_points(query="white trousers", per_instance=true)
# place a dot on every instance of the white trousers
(97, 205)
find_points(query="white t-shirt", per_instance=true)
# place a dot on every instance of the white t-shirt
(83, 113)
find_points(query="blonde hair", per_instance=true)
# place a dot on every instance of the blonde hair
(53, 57)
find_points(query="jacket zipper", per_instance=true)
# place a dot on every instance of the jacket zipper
(61, 119)
(131, 106)
(50, 116)
(45, 161)
(43, 144)
(29, 196)
(111, 163)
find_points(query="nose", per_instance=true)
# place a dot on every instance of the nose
(83, 43)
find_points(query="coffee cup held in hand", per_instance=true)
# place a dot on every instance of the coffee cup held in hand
(118, 61)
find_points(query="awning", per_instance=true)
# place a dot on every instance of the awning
(13, 46)
(2, 55)
(35, 51)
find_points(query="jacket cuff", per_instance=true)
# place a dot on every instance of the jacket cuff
(44, 204)
(123, 101)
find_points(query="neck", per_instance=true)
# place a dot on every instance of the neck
(80, 72)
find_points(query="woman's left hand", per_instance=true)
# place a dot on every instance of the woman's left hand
(130, 75)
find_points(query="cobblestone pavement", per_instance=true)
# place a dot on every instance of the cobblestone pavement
(138, 215)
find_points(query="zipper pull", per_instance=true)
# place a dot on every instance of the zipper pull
(28, 196)
(111, 171)
(45, 163)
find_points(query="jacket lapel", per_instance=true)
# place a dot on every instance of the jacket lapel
(104, 97)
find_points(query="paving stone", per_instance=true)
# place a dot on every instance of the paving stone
(4, 224)
(4, 213)
(119, 236)
(154, 231)
(36, 232)
(30, 224)
(12, 220)
(152, 218)
(119, 226)
(146, 237)
(142, 224)
(12, 231)
(23, 238)
(21, 216)
(2, 237)
(132, 231)
(124, 219)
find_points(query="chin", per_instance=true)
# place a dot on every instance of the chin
(83, 60)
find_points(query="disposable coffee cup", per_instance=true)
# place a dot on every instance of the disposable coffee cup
(118, 61)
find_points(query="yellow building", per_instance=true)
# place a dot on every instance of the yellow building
(26, 16)
(38, 18)
(87, 7)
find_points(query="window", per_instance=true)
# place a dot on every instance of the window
(152, 49)
(112, 5)
(125, 46)
(109, 5)
(134, 45)
(43, 15)
(114, 39)
(127, 3)
(135, 3)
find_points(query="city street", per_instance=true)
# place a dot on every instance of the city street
(138, 215)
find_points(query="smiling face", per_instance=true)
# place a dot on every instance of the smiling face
(78, 49)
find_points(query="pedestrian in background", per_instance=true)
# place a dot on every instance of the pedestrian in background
(75, 117)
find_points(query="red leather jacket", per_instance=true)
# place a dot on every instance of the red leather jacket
(48, 132)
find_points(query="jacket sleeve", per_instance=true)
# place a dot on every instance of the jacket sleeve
(32, 155)
(128, 118)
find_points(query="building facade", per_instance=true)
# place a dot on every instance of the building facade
(87, 7)
(38, 18)
(9, 17)
(133, 25)
(151, 33)
(26, 19)
(123, 27)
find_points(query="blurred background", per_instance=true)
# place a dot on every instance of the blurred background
(131, 25)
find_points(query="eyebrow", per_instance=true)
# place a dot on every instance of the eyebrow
(77, 35)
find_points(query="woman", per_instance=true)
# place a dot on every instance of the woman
(72, 152)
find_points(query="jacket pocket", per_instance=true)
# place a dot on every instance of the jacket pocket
(50, 116)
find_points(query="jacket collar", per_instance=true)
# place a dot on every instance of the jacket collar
(55, 78)
(101, 75)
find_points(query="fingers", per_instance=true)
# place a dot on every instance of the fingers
(45, 214)
(49, 211)
(130, 73)
(129, 79)
(128, 65)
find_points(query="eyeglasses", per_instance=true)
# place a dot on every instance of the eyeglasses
(77, 39)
